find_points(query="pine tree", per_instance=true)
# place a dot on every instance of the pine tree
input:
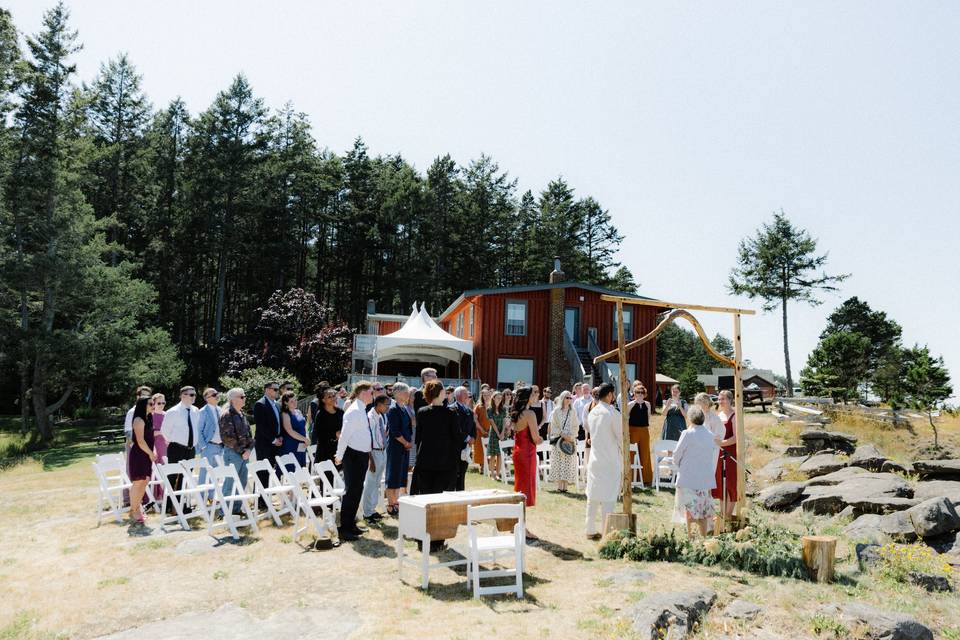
(599, 241)
(777, 265)
(927, 385)
(623, 280)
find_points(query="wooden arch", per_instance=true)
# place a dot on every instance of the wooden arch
(626, 519)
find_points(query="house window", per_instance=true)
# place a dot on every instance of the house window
(614, 369)
(471, 321)
(627, 324)
(512, 370)
(460, 325)
(516, 324)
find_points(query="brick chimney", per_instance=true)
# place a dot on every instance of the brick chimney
(558, 369)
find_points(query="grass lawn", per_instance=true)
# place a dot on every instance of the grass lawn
(62, 576)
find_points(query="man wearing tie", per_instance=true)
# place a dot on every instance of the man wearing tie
(267, 440)
(179, 428)
(377, 419)
(209, 444)
(467, 426)
(353, 452)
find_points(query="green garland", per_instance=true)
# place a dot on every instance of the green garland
(762, 550)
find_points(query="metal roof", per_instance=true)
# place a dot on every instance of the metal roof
(539, 287)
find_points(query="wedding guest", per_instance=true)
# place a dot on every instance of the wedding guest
(286, 387)
(448, 396)
(353, 452)
(467, 428)
(498, 422)
(341, 396)
(159, 442)
(377, 419)
(327, 424)
(580, 405)
(482, 420)
(639, 422)
(711, 421)
(209, 444)
(526, 439)
(547, 403)
(237, 439)
(180, 431)
(564, 426)
(399, 443)
(605, 467)
(536, 405)
(141, 392)
(675, 415)
(266, 417)
(141, 458)
(726, 468)
(693, 458)
(426, 375)
(293, 426)
(438, 443)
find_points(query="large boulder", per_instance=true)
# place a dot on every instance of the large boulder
(868, 457)
(938, 469)
(875, 624)
(773, 470)
(671, 614)
(865, 492)
(836, 477)
(742, 610)
(929, 519)
(781, 496)
(949, 489)
(822, 464)
(892, 466)
(821, 440)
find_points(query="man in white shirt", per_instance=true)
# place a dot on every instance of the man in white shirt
(179, 429)
(377, 419)
(582, 393)
(353, 452)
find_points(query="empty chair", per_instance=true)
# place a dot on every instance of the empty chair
(488, 548)
(506, 461)
(227, 501)
(327, 471)
(267, 493)
(289, 462)
(111, 470)
(308, 497)
(189, 501)
(635, 467)
(581, 462)
(663, 463)
(544, 451)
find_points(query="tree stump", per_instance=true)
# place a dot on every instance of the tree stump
(818, 555)
(619, 521)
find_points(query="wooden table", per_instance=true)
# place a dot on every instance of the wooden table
(436, 516)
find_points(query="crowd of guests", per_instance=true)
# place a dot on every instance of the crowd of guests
(423, 441)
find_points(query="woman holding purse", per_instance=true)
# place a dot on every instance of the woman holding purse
(564, 427)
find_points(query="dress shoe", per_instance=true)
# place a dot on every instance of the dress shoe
(348, 536)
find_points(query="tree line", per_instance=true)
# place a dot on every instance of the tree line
(141, 243)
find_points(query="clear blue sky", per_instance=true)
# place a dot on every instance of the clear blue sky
(691, 122)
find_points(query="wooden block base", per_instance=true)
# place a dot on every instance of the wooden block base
(818, 555)
(618, 522)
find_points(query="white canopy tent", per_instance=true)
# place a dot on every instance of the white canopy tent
(420, 339)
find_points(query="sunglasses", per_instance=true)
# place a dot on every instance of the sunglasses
(189, 395)
(273, 388)
(158, 403)
(242, 397)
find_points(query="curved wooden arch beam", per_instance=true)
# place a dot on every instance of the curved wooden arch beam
(671, 317)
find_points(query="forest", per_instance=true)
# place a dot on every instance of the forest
(141, 242)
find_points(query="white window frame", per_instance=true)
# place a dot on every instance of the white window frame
(627, 324)
(471, 321)
(506, 317)
(460, 325)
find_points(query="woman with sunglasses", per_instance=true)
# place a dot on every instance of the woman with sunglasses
(159, 442)
(327, 422)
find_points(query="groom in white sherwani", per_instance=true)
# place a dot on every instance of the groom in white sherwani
(605, 468)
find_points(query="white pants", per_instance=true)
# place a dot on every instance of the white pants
(371, 483)
(592, 507)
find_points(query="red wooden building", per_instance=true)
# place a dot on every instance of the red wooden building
(547, 334)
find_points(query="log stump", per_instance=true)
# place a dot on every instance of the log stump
(818, 555)
(619, 521)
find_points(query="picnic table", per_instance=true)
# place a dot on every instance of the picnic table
(110, 435)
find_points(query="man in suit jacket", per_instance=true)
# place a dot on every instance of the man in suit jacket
(266, 416)
(467, 427)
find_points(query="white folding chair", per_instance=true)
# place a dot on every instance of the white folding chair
(484, 442)
(111, 470)
(274, 488)
(190, 495)
(337, 488)
(544, 451)
(488, 548)
(581, 462)
(308, 496)
(636, 467)
(506, 461)
(311, 454)
(663, 463)
(226, 502)
(289, 462)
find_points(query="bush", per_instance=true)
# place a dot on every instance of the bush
(252, 381)
(762, 550)
(898, 561)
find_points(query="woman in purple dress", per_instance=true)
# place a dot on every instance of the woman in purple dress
(159, 442)
(142, 457)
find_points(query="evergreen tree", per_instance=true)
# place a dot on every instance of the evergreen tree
(623, 280)
(837, 366)
(778, 265)
(856, 316)
(599, 241)
(927, 385)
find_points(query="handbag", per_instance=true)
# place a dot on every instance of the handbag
(567, 447)
(559, 439)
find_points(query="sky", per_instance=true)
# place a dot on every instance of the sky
(691, 122)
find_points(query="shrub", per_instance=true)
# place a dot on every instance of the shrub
(898, 561)
(253, 380)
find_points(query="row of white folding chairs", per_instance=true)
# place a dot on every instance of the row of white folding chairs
(309, 496)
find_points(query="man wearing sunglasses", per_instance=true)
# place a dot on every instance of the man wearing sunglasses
(180, 429)
(267, 440)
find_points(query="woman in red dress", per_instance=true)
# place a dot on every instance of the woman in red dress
(526, 439)
(729, 446)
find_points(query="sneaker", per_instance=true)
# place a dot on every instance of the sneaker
(374, 517)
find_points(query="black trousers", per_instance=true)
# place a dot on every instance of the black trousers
(177, 452)
(355, 464)
(432, 481)
(460, 477)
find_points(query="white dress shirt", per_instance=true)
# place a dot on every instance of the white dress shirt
(356, 430)
(694, 458)
(128, 423)
(547, 410)
(174, 427)
(580, 406)
(378, 427)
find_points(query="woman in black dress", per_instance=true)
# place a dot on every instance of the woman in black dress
(399, 444)
(142, 457)
(327, 422)
(438, 443)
